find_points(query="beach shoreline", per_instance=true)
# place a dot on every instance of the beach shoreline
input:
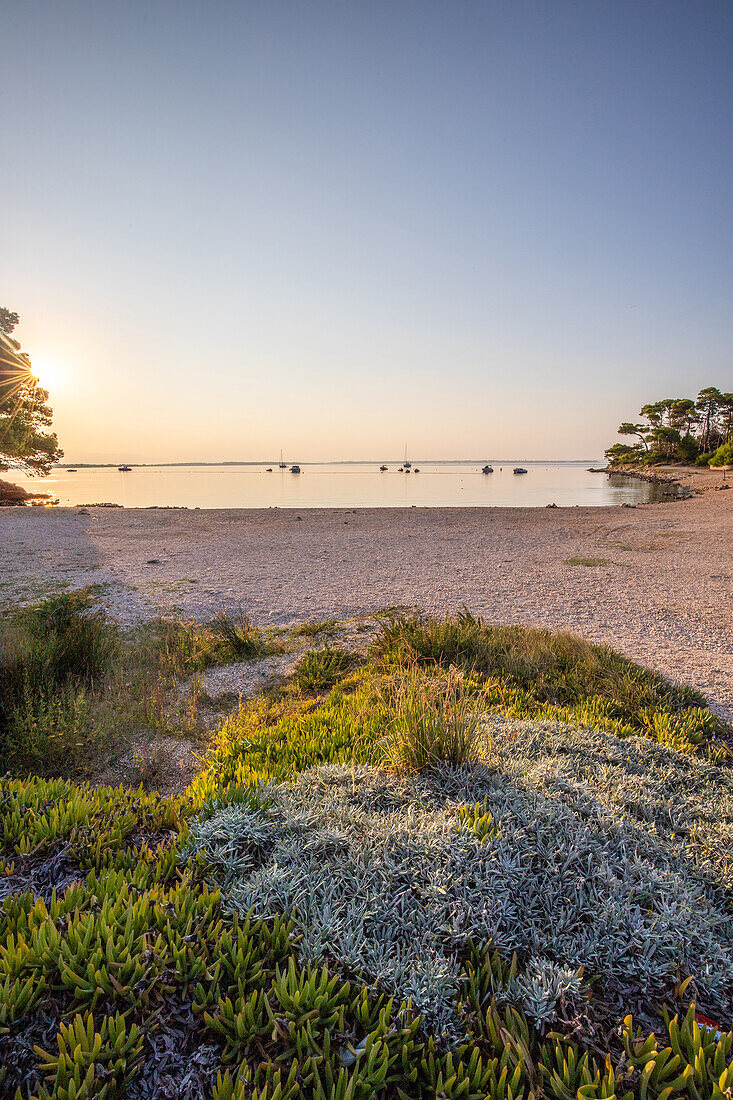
(655, 580)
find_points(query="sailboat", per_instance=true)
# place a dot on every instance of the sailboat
(407, 462)
(283, 465)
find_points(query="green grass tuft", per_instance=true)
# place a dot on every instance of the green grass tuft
(319, 669)
(432, 721)
(313, 628)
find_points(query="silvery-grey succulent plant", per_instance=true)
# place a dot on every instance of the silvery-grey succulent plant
(604, 853)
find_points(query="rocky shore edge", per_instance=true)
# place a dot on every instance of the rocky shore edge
(683, 481)
(14, 496)
(656, 477)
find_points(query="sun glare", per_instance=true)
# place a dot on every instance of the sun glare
(50, 374)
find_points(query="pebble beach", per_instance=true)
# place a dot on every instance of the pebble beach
(655, 581)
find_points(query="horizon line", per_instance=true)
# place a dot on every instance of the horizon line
(319, 462)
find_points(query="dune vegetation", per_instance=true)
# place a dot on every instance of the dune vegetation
(454, 860)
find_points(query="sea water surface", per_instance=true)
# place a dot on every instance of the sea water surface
(345, 485)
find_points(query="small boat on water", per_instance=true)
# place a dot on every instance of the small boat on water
(382, 468)
(268, 470)
(519, 470)
(417, 470)
(124, 469)
(487, 469)
(295, 469)
(71, 470)
(283, 465)
(406, 464)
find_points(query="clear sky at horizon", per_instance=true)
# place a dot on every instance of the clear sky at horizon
(485, 228)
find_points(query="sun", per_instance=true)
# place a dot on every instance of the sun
(49, 372)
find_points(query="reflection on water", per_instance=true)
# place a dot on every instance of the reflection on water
(347, 486)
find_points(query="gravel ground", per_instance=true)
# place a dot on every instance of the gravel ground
(655, 581)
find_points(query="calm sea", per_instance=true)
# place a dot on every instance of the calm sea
(345, 486)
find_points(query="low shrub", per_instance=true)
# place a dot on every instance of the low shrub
(723, 456)
(241, 639)
(62, 640)
(54, 657)
(572, 849)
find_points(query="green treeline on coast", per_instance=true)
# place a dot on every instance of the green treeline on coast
(680, 429)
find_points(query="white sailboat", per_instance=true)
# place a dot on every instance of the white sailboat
(283, 465)
(406, 464)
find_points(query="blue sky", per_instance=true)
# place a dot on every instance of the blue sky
(486, 228)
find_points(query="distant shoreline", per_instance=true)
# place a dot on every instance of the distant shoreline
(333, 462)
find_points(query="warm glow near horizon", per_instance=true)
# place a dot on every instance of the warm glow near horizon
(491, 229)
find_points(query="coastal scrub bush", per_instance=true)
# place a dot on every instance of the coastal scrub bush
(62, 640)
(75, 686)
(723, 456)
(241, 639)
(53, 657)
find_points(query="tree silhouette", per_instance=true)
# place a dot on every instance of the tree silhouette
(24, 411)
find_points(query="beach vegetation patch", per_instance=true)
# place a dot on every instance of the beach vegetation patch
(589, 562)
(188, 646)
(525, 672)
(313, 627)
(54, 657)
(541, 919)
(75, 686)
(319, 669)
(581, 854)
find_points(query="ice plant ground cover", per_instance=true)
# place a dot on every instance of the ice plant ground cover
(539, 922)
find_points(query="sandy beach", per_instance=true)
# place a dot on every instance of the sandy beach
(655, 581)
